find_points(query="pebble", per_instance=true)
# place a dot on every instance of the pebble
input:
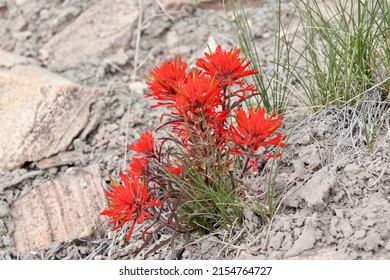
(387, 247)
(276, 241)
(3, 229)
(297, 232)
(112, 127)
(359, 234)
(8, 46)
(53, 170)
(3, 209)
(120, 112)
(44, 14)
(267, 35)
(20, 23)
(101, 143)
(8, 241)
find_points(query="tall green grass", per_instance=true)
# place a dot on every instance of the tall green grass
(332, 53)
(345, 50)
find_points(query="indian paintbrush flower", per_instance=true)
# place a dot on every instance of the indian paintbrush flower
(129, 202)
(208, 136)
(255, 131)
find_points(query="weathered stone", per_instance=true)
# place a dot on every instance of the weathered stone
(3, 209)
(8, 60)
(60, 159)
(20, 23)
(101, 31)
(308, 238)
(40, 114)
(314, 191)
(8, 46)
(66, 208)
(172, 5)
(14, 179)
(326, 255)
(3, 9)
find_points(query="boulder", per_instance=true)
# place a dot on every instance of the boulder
(40, 113)
(60, 210)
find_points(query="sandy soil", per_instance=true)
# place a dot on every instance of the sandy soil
(336, 195)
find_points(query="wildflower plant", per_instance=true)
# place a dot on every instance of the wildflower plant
(191, 178)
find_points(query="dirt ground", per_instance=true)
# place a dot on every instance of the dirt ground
(336, 195)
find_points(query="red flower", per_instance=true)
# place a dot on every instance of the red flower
(129, 202)
(200, 103)
(199, 95)
(254, 131)
(137, 166)
(175, 170)
(227, 67)
(165, 81)
(145, 145)
(199, 106)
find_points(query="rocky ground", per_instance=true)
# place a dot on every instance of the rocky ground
(66, 78)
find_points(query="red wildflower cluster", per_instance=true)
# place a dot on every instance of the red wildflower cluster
(130, 202)
(166, 80)
(205, 125)
(254, 131)
(227, 67)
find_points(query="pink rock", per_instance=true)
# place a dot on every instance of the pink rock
(8, 46)
(40, 113)
(20, 23)
(66, 208)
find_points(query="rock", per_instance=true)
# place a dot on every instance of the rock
(8, 60)
(346, 228)
(307, 240)
(372, 242)
(20, 23)
(248, 256)
(20, 2)
(173, 5)
(40, 114)
(138, 87)
(333, 226)
(3, 229)
(327, 255)
(172, 39)
(276, 241)
(103, 30)
(8, 46)
(354, 171)
(3, 9)
(63, 209)
(314, 191)
(387, 246)
(359, 234)
(3, 209)
(64, 158)
(13, 179)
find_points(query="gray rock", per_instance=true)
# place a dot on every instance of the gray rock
(314, 191)
(346, 228)
(3, 209)
(8, 60)
(307, 240)
(63, 158)
(101, 31)
(276, 241)
(359, 234)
